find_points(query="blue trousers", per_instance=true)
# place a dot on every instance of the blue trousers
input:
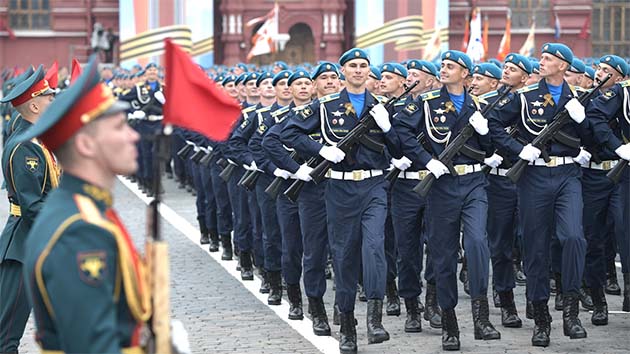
(272, 237)
(502, 218)
(390, 242)
(453, 201)
(312, 213)
(550, 201)
(200, 199)
(148, 130)
(222, 200)
(356, 212)
(257, 229)
(242, 221)
(623, 238)
(292, 248)
(407, 212)
(209, 195)
(178, 165)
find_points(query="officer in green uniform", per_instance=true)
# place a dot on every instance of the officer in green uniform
(7, 112)
(30, 173)
(83, 275)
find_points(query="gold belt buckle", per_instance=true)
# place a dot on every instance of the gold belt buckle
(460, 169)
(357, 175)
(552, 162)
(328, 173)
(606, 165)
(422, 174)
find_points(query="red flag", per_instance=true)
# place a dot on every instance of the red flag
(76, 70)
(51, 75)
(193, 101)
(584, 32)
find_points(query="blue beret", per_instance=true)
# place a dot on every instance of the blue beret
(282, 65)
(150, 65)
(227, 79)
(394, 68)
(137, 66)
(589, 72)
(263, 76)
(28, 88)
(535, 67)
(240, 78)
(577, 66)
(242, 67)
(458, 57)
(354, 53)
(559, 51)
(520, 61)
(251, 76)
(488, 69)
(616, 62)
(422, 65)
(375, 72)
(139, 73)
(284, 74)
(342, 77)
(323, 67)
(219, 78)
(298, 74)
(496, 62)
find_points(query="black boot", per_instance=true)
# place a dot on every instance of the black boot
(275, 287)
(542, 327)
(318, 315)
(495, 298)
(626, 292)
(450, 330)
(463, 276)
(570, 320)
(509, 315)
(375, 330)
(413, 323)
(481, 313)
(585, 298)
(203, 229)
(612, 286)
(294, 293)
(214, 241)
(600, 307)
(393, 300)
(559, 303)
(264, 281)
(247, 269)
(226, 243)
(347, 333)
(432, 311)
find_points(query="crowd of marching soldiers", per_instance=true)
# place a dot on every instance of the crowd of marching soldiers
(396, 172)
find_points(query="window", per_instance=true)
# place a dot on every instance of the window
(29, 14)
(523, 10)
(610, 28)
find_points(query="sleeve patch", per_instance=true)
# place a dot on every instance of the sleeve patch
(245, 123)
(32, 163)
(306, 112)
(609, 94)
(410, 109)
(92, 267)
(262, 129)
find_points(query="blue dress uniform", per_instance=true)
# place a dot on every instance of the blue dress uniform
(613, 199)
(30, 172)
(225, 222)
(356, 201)
(549, 195)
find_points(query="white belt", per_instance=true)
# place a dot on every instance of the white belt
(153, 118)
(553, 162)
(604, 166)
(417, 175)
(499, 171)
(466, 169)
(357, 175)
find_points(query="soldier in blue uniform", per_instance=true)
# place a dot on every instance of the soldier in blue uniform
(440, 115)
(83, 302)
(30, 172)
(549, 194)
(612, 146)
(356, 196)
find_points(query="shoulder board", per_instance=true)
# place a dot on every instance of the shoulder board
(624, 83)
(379, 98)
(400, 102)
(528, 88)
(578, 88)
(88, 210)
(249, 109)
(430, 95)
(489, 94)
(139, 84)
(328, 98)
(264, 109)
(410, 108)
(299, 108)
(280, 111)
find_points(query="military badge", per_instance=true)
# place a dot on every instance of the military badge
(32, 163)
(436, 119)
(534, 111)
(341, 121)
(334, 121)
(92, 267)
(306, 112)
(541, 111)
(337, 113)
(443, 119)
(262, 128)
(410, 108)
(245, 123)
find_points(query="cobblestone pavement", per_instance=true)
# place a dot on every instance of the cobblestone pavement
(223, 315)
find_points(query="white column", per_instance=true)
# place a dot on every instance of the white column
(325, 23)
(232, 24)
(333, 24)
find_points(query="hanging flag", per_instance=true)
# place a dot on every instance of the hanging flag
(51, 76)
(433, 48)
(264, 41)
(194, 101)
(584, 32)
(475, 45)
(484, 36)
(529, 47)
(75, 72)
(504, 46)
(558, 29)
(466, 33)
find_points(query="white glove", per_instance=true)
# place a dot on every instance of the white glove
(583, 157)
(139, 114)
(624, 151)
(437, 168)
(529, 153)
(479, 122)
(179, 337)
(493, 161)
(332, 154)
(303, 173)
(278, 172)
(402, 164)
(159, 96)
(381, 117)
(576, 110)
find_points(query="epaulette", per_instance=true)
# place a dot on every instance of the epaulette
(263, 109)
(379, 98)
(88, 210)
(328, 98)
(400, 102)
(489, 94)
(578, 89)
(280, 111)
(528, 88)
(430, 95)
(299, 108)
(249, 109)
(625, 83)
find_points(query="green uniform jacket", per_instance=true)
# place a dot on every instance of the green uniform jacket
(73, 274)
(28, 181)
